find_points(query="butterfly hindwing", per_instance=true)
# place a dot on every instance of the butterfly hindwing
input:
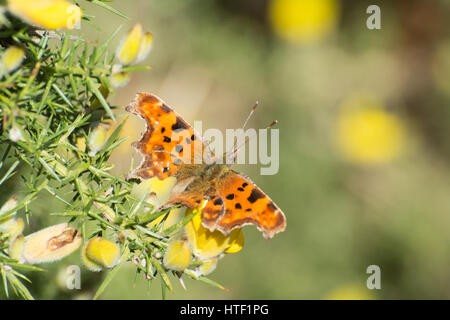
(168, 142)
(245, 203)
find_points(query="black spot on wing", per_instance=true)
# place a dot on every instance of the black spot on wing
(238, 206)
(165, 108)
(244, 184)
(218, 202)
(255, 195)
(163, 129)
(230, 196)
(179, 125)
(241, 189)
(167, 139)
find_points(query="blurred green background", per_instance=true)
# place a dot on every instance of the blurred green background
(364, 124)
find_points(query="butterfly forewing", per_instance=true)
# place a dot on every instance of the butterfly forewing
(169, 141)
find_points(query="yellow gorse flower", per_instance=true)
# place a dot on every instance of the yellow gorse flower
(367, 133)
(303, 21)
(207, 244)
(49, 14)
(129, 48)
(99, 253)
(178, 255)
(12, 58)
(97, 139)
(119, 79)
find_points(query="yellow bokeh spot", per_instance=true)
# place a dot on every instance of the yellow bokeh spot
(50, 14)
(129, 48)
(303, 21)
(177, 256)
(367, 133)
(349, 292)
(101, 252)
(207, 244)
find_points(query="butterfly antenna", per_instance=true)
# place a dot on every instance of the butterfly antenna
(250, 114)
(247, 138)
(233, 151)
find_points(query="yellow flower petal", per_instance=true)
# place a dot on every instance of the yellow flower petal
(12, 58)
(102, 252)
(236, 241)
(16, 248)
(129, 48)
(88, 263)
(161, 189)
(51, 244)
(207, 267)
(303, 21)
(175, 215)
(177, 256)
(205, 244)
(145, 46)
(50, 14)
(13, 227)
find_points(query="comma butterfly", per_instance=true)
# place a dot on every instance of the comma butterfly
(170, 147)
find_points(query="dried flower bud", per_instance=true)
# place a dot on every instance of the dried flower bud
(51, 244)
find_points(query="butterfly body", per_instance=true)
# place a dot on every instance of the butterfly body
(233, 199)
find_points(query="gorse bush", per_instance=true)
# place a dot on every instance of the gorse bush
(56, 138)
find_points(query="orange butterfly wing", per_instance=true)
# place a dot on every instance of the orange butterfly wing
(167, 143)
(239, 202)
